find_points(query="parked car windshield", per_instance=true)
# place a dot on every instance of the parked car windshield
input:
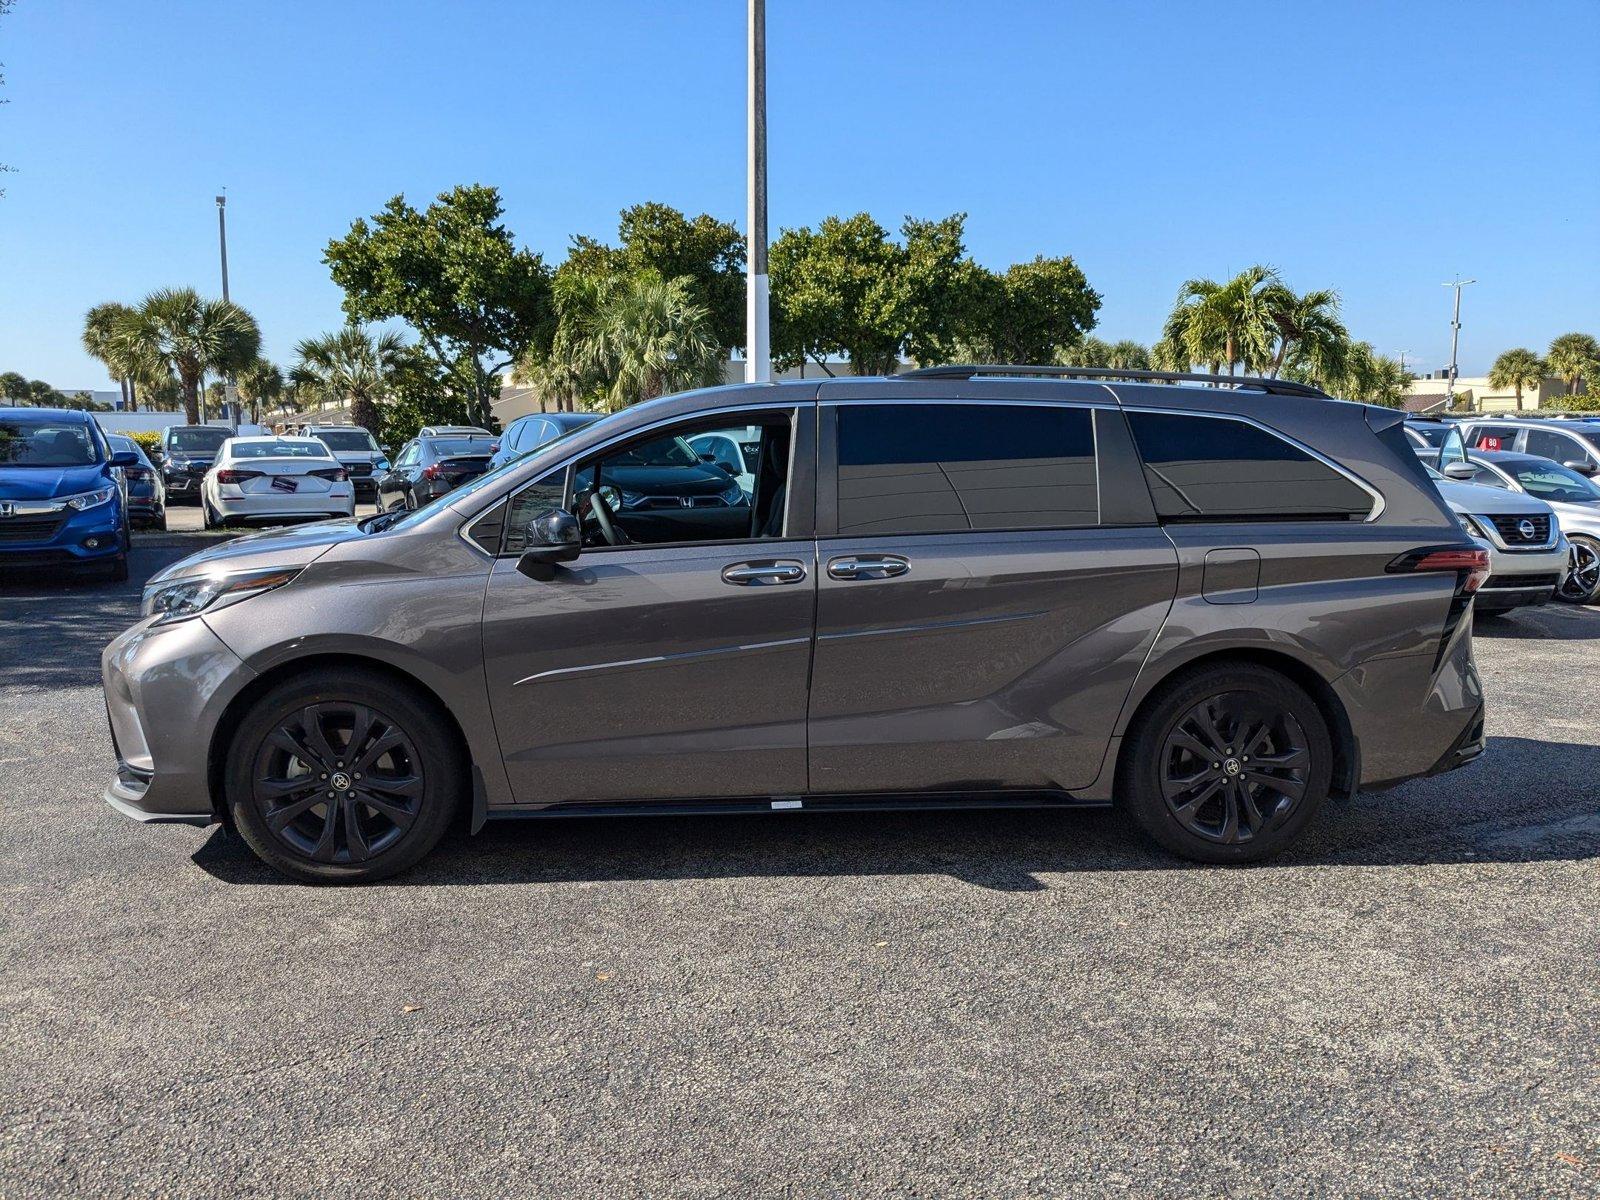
(1434, 435)
(280, 450)
(46, 444)
(446, 447)
(1551, 481)
(199, 439)
(347, 439)
(663, 452)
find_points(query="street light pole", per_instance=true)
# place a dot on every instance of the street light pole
(757, 340)
(222, 243)
(1455, 334)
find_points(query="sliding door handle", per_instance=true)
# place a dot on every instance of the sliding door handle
(867, 566)
(777, 571)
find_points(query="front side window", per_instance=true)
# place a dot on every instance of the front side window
(1221, 469)
(657, 491)
(953, 468)
(46, 444)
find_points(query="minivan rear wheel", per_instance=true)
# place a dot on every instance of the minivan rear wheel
(1228, 764)
(345, 776)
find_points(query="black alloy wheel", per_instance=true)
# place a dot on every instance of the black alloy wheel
(344, 774)
(338, 782)
(1582, 582)
(1233, 767)
(1226, 763)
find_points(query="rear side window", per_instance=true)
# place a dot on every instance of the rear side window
(1220, 469)
(943, 468)
(1557, 446)
(1494, 437)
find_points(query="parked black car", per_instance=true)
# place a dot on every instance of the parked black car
(187, 452)
(527, 434)
(427, 467)
(146, 496)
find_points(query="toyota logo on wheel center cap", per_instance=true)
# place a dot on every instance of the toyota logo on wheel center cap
(340, 782)
(1232, 767)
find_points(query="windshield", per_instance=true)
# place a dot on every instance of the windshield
(663, 452)
(46, 444)
(447, 447)
(198, 440)
(1551, 482)
(279, 450)
(1434, 435)
(347, 439)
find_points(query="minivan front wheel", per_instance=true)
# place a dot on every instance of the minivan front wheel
(342, 777)
(1228, 764)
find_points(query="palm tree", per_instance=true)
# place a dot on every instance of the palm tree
(1128, 355)
(350, 366)
(1364, 375)
(101, 326)
(182, 334)
(1087, 351)
(1575, 357)
(1308, 331)
(626, 338)
(1517, 369)
(1229, 323)
(261, 385)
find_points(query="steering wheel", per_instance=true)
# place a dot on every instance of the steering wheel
(602, 516)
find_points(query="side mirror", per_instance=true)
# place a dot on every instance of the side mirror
(124, 458)
(1459, 470)
(554, 537)
(1582, 467)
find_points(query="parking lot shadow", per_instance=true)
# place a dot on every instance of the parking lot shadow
(1526, 801)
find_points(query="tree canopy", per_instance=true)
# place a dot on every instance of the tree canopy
(453, 273)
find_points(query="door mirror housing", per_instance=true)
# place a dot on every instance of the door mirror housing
(1581, 466)
(124, 458)
(1459, 470)
(553, 537)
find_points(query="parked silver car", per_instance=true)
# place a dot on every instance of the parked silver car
(953, 587)
(1528, 554)
(1574, 497)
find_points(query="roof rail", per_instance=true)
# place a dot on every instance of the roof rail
(1277, 387)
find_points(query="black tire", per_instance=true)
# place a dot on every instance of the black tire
(1182, 799)
(161, 521)
(393, 829)
(1582, 583)
(206, 521)
(119, 568)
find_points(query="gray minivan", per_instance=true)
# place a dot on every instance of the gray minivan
(960, 586)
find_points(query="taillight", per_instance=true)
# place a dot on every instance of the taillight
(232, 476)
(1470, 562)
(432, 472)
(494, 446)
(337, 474)
(134, 472)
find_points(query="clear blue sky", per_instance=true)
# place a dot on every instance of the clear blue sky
(1377, 148)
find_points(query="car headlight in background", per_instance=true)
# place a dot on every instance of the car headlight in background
(179, 599)
(381, 465)
(92, 499)
(734, 494)
(1471, 525)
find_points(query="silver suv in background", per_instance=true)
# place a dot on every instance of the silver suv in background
(358, 453)
(957, 587)
(1574, 497)
(1528, 555)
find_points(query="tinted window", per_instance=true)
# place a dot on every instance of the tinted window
(347, 439)
(444, 447)
(1218, 469)
(914, 468)
(1432, 434)
(306, 449)
(1555, 445)
(1494, 437)
(198, 438)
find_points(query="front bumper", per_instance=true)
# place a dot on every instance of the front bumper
(1521, 577)
(62, 538)
(166, 687)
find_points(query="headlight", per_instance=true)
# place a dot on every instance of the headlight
(629, 499)
(85, 500)
(381, 465)
(181, 598)
(1471, 525)
(734, 494)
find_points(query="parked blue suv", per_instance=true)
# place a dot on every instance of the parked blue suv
(62, 496)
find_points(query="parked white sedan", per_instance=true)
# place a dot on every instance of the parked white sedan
(275, 478)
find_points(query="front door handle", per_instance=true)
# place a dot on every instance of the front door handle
(770, 571)
(867, 566)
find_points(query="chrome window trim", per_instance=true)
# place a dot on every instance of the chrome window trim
(1377, 496)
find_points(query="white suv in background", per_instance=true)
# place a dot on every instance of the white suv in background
(1572, 442)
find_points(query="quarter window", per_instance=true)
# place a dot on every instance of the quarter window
(950, 468)
(1220, 469)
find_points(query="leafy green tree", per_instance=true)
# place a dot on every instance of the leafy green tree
(14, 387)
(260, 385)
(1365, 376)
(1226, 324)
(707, 252)
(179, 333)
(838, 290)
(1030, 313)
(623, 338)
(453, 273)
(1308, 330)
(1517, 369)
(101, 325)
(1088, 351)
(1575, 357)
(351, 366)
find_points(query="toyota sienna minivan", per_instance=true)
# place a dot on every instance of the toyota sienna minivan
(956, 587)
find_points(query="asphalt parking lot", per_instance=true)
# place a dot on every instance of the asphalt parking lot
(997, 1004)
